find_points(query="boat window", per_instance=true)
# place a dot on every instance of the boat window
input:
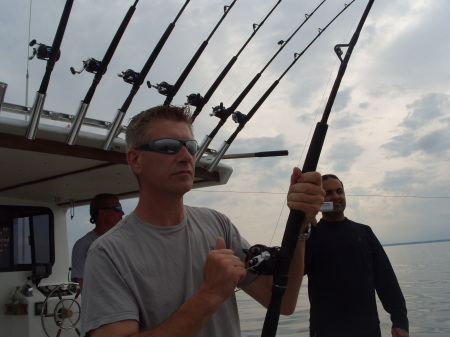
(26, 237)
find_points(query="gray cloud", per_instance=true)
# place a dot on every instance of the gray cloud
(344, 154)
(436, 143)
(346, 120)
(433, 143)
(402, 145)
(426, 109)
(269, 172)
(342, 99)
(417, 138)
(399, 180)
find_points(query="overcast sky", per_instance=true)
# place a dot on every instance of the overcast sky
(388, 137)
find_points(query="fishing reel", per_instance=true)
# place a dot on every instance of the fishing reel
(91, 65)
(129, 76)
(194, 100)
(219, 111)
(163, 88)
(262, 260)
(42, 52)
(239, 117)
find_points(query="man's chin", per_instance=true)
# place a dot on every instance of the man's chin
(185, 186)
(338, 207)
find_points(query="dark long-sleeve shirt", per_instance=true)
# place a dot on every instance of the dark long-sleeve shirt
(346, 265)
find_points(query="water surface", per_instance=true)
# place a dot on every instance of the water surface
(424, 275)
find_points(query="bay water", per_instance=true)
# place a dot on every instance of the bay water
(423, 272)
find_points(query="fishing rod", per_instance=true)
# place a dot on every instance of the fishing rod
(136, 79)
(242, 119)
(98, 68)
(257, 154)
(223, 113)
(295, 218)
(169, 90)
(199, 101)
(51, 54)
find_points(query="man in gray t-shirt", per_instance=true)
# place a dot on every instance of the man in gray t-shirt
(171, 270)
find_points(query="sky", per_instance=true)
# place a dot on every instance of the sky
(388, 138)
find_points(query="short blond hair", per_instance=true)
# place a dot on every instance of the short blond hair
(138, 131)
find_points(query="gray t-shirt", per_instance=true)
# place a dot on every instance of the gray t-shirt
(79, 253)
(144, 272)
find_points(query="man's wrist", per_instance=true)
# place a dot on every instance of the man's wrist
(305, 236)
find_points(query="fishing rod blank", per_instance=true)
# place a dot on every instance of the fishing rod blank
(292, 230)
(98, 68)
(242, 119)
(169, 90)
(136, 79)
(199, 101)
(223, 113)
(257, 154)
(51, 54)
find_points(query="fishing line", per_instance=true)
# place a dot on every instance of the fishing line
(247, 79)
(199, 101)
(325, 90)
(51, 55)
(98, 68)
(27, 76)
(289, 241)
(136, 79)
(313, 123)
(180, 69)
(347, 195)
(214, 75)
(170, 90)
(303, 150)
(243, 119)
(223, 113)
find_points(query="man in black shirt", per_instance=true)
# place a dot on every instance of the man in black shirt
(346, 264)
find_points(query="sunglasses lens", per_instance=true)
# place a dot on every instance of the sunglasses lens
(192, 146)
(118, 208)
(168, 145)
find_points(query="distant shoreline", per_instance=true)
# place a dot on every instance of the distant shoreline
(414, 243)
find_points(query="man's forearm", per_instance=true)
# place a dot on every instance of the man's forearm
(261, 288)
(187, 321)
(296, 270)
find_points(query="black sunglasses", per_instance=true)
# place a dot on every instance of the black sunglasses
(115, 208)
(169, 145)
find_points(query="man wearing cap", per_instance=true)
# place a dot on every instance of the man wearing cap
(106, 212)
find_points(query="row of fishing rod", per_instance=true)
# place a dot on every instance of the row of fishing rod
(289, 241)
(52, 53)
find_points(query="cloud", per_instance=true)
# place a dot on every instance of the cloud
(342, 99)
(402, 145)
(399, 180)
(425, 110)
(425, 128)
(435, 143)
(344, 154)
(346, 120)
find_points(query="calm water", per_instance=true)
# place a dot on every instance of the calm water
(424, 275)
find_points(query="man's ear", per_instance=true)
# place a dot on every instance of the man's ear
(134, 161)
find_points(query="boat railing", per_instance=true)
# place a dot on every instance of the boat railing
(58, 116)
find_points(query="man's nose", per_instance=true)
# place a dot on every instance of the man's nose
(184, 151)
(334, 195)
